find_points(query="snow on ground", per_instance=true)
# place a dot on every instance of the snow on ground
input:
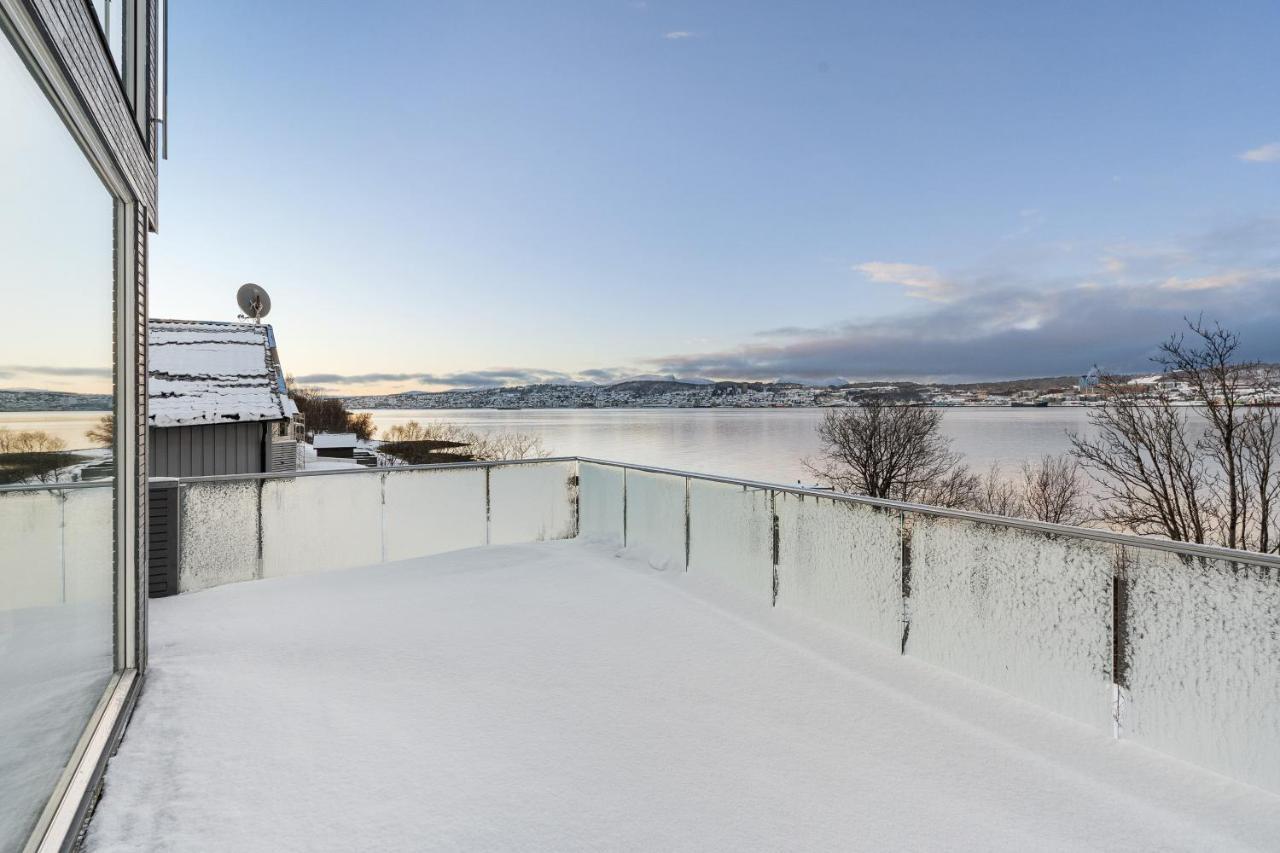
(555, 697)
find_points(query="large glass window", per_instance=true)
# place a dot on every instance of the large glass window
(57, 477)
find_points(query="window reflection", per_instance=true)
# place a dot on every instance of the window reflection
(111, 18)
(56, 474)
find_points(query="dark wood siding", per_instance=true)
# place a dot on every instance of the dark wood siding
(164, 518)
(197, 451)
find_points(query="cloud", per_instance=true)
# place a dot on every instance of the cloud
(41, 370)
(986, 337)
(789, 332)
(920, 281)
(491, 378)
(1008, 323)
(1268, 153)
(467, 379)
(1217, 281)
(678, 35)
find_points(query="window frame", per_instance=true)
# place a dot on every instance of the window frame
(134, 57)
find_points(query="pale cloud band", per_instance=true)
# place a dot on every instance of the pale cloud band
(1006, 323)
(919, 281)
(1269, 153)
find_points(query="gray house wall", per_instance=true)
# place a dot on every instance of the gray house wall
(198, 451)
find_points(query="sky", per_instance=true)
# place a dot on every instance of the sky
(457, 194)
(56, 250)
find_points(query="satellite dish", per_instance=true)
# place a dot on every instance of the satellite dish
(253, 301)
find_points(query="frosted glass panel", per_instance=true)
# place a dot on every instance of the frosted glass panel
(731, 536)
(1024, 612)
(220, 534)
(1202, 650)
(532, 502)
(314, 524)
(841, 562)
(656, 518)
(433, 510)
(601, 503)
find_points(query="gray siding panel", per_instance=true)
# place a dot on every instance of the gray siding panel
(197, 451)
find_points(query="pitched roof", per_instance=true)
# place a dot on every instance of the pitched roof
(213, 372)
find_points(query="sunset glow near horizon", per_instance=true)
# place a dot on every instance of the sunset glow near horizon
(453, 195)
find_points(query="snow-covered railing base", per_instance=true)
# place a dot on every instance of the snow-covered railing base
(1176, 647)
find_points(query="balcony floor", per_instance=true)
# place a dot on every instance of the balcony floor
(554, 697)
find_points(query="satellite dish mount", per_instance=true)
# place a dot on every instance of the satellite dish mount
(253, 301)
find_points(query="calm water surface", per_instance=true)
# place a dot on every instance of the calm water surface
(759, 444)
(68, 426)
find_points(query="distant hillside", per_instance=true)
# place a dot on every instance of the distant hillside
(26, 400)
(662, 386)
(652, 386)
(1012, 386)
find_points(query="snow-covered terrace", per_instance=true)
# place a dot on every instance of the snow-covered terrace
(695, 664)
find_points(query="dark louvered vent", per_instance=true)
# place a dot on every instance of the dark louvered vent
(164, 517)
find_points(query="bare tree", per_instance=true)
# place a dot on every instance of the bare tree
(473, 445)
(29, 441)
(32, 454)
(1260, 472)
(1053, 490)
(895, 452)
(328, 414)
(997, 495)
(1207, 363)
(1151, 478)
(103, 431)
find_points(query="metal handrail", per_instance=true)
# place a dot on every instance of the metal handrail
(1129, 539)
(105, 482)
(361, 469)
(1043, 527)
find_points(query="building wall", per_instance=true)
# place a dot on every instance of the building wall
(199, 451)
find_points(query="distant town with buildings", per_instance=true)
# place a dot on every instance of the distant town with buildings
(671, 392)
(674, 393)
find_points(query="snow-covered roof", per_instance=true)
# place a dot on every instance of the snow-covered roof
(213, 372)
(333, 439)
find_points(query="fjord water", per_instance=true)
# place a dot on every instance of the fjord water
(757, 444)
